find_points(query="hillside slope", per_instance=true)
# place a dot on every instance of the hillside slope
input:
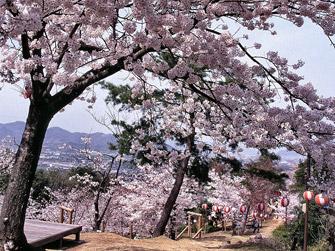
(211, 242)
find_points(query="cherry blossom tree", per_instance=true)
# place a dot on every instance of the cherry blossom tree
(138, 200)
(100, 180)
(225, 190)
(147, 194)
(57, 50)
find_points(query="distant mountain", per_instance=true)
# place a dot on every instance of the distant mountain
(289, 155)
(53, 156)
(57, 136)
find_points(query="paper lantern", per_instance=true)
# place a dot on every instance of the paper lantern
(277, 193)
(308, 195)
(204, 206)
(284, 202)
(243, 209)
(226, 209)
(321, 200)
(220, 208)
(215, 209)
(254, 214)
(260, 206)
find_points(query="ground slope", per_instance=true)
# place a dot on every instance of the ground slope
(211, 242)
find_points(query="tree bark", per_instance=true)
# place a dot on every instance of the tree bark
(22, 175)
(97, 222)
(245, 219)
(97, 217)
(161, 225)
(180, 174)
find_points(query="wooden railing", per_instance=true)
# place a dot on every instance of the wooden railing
(200, 226)
(62, 213)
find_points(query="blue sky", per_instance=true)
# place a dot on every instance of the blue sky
(307, 43)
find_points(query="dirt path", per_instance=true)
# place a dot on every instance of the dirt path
(211, 242)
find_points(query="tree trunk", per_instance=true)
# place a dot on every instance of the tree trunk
(181, 171)
(161, 225)
(22, 175)
(99, 218)
(245, 219)
(97, 222)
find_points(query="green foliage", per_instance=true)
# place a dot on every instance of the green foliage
(269, 175)
(46, 180)
(167, 57)
(265, 168)
(52, 180)
(316, 222)
(124, 138)
(282, 237)
(235, 164)
(82, 171)
(180, 228)
(40, 192)
(120, 94)
(300, 178)
(321, 245)
(320, 223)
(321, 174)
(265, 153)
(98, 177)
(209, 228)
(199, 169)
(285, 236)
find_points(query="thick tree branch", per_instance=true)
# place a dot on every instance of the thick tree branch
(66, 46)
(72, 91)
(25, 46)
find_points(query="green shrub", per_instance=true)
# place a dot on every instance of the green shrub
(316, 223)
(209, 228)
(322, 245)
(282, 238)
(180, 228)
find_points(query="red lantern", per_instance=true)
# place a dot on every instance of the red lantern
(284, 202)
(277, 193)
(204, 206)
(215, 209)
(321, 200)
(243, 209)
(260, 206)
(308, 195)
(220, 208)
(27, 92)
(226, 209)
(254, 214)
